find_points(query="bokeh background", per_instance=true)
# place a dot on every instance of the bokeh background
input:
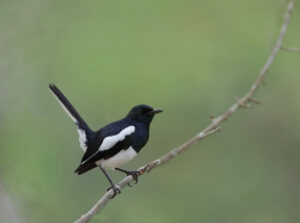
(190, 58)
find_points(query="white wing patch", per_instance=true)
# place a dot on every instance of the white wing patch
(111, 141)
(119, 159)
(67, 111)
(82, 139)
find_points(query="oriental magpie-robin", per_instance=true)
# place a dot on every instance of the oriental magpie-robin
(114, 144)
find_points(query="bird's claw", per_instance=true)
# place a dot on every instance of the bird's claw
(116, 190)
(135, 174)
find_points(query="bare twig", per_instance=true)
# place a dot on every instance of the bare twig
(255, 101)
(213, 127)
(158, 162)
(290, 49)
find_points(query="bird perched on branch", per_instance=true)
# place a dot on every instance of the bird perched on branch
(114, 144)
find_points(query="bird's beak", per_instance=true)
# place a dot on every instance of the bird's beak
(155, 111)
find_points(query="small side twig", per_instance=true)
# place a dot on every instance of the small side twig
(255, 101)
(290, 49)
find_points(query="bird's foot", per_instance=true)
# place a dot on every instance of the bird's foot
(116, 190)
(135, 174)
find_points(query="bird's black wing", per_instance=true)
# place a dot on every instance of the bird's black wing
(107, 148)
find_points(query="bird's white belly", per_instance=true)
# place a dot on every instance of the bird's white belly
(119, 159)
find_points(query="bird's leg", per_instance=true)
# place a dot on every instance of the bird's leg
(114, 187)
(133, 173)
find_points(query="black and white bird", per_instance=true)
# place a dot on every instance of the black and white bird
(114, 144)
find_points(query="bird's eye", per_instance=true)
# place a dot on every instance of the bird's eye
(140, 110)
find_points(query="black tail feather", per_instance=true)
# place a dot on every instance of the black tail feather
(67, 104)
(84, 168)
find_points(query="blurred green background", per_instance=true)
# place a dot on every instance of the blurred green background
(190, 58)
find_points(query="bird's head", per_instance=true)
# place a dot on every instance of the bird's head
(143, 113)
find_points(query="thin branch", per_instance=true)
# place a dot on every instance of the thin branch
(290, 49)
(213, 127)
(158, 162)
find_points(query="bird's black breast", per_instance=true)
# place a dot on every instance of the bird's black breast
(140, 137)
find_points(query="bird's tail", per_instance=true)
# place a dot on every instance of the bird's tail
(85, 133)
(84, 168)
